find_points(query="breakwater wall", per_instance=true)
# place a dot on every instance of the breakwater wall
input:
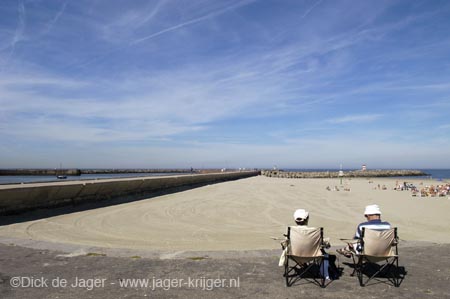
(25, 197)
(49, 172)
(114, 171)
(77, 172)
(346, 174)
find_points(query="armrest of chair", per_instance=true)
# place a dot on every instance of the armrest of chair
(351, 243)
(284, 241)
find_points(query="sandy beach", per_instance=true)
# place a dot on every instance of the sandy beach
(243, 215)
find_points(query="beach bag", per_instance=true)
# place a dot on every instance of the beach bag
(283, 257)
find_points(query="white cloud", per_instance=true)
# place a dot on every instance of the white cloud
(360, 118)
(170, 75)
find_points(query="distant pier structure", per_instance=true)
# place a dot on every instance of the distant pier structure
(342, 174)
(48, 172)
(78, 172)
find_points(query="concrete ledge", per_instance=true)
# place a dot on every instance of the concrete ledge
(25, 197)
(426, 275)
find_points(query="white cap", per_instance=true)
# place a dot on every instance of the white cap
(372, 210)
(301, 214)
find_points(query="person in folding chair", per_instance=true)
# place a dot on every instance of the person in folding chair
(375, 241)
(373, 217)
(304, 247)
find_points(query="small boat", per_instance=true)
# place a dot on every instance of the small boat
(60, 176)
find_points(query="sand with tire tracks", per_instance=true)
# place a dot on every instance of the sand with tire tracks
(243, 215)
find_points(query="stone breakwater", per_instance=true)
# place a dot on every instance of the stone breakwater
(347, 174)
(77, 172)
(48, 172)
(24, 197)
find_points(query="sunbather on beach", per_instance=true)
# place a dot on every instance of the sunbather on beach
(373, 216)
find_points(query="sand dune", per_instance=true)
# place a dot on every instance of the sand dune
(242, 215)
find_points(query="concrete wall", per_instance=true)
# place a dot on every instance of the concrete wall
(24, 197)
(55, 171)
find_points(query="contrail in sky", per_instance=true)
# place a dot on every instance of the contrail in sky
(170, 29)
(190, 22)
(56, 18)
(311, 8)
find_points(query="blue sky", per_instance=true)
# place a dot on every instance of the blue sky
(292, 83)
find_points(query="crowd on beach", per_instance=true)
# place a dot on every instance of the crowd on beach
(439, 190)
(346, 188)
(433, 191)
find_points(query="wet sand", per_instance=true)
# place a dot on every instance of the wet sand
(243, 215)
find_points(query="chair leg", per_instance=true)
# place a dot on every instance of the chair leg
(386, 268)
(322, 273)
(286, 272)
(397, 278)
(394, 273)
(298, 271)
(359, 271)
(354, 266)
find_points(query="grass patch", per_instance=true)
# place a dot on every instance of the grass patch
(135, 257)
(95, 254)
(197, 258)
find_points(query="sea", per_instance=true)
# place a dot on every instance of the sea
(437, 174)
(23, 179)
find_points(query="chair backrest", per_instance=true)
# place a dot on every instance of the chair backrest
(305, 241)
(379, 243)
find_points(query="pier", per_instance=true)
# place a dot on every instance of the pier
(25, 197)
(346, 174)
(77, 172)
(49, 172)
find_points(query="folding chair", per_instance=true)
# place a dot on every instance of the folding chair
(378, 255)
(304, 256)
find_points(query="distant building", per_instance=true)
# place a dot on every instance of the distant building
(363, 168)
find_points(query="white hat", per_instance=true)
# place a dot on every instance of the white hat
(301, 214)
(372, 210)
